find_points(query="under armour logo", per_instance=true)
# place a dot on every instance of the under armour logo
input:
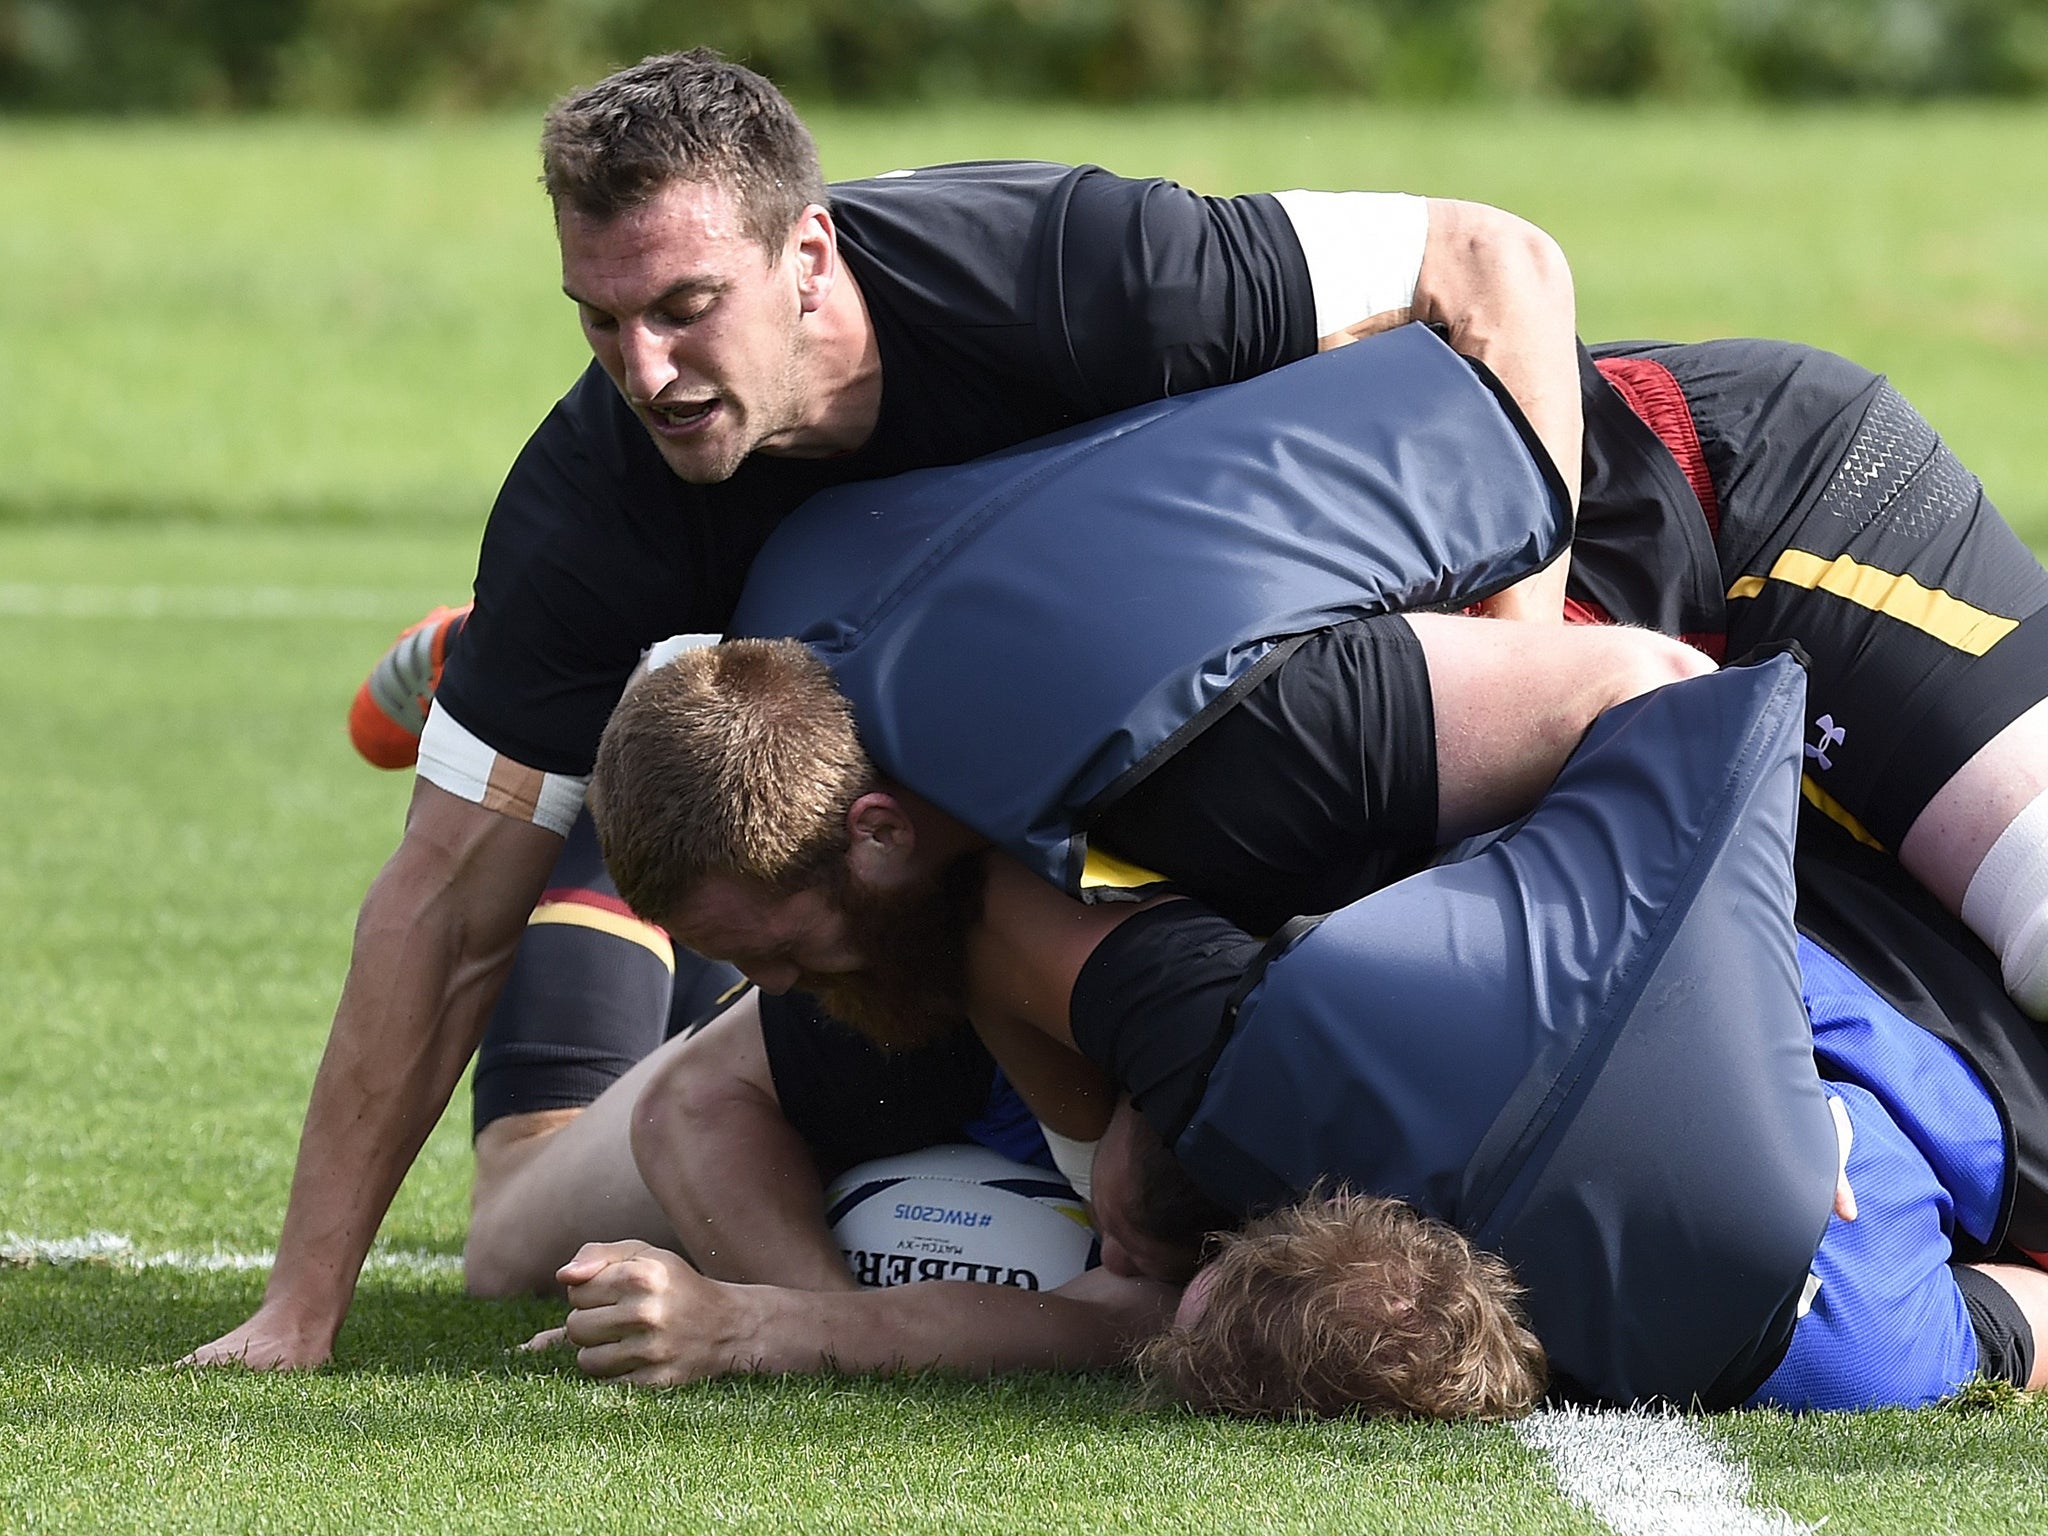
(1831, 735)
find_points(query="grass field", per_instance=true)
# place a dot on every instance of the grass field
(257, 384)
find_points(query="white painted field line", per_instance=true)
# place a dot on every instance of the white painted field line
(1650, 1475)
(57, 600)
(114, 1251)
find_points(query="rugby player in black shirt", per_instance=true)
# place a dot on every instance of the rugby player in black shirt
(758, 336)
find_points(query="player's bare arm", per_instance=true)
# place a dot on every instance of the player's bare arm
(733, 1175)
(1502, 291)
(642, 1315)
(1022, 961)
(1065, 1092)
(433, 941)
(1511, 704)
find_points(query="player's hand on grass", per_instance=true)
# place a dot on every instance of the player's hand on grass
(267, 1342)
(642, 1314)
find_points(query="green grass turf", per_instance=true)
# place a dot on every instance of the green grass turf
(187, 836)
(293, 356)
(1946, 1469)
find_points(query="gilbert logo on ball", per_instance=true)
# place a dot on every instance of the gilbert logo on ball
(959, 1213)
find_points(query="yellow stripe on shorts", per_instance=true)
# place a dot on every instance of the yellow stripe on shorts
(1928, 609)
(1836, 812)
(631, 929)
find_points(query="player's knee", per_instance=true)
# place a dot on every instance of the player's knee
(669, 1103)
(498, 1258)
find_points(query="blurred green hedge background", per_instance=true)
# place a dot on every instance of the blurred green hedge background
(150, 56)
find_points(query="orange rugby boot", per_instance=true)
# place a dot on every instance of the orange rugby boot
(390, 709)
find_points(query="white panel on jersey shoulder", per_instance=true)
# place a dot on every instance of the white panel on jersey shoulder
(1364, 251)
(453, 759)
(959, 1213)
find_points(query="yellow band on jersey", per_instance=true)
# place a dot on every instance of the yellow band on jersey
(1928, 609)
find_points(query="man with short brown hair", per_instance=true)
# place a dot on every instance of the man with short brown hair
(690, 117)
(764, 762)
(739, 366)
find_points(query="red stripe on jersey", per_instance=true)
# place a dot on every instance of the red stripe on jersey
(1653, 394)
(578, 896)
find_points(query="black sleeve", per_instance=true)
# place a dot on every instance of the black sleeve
(1148, 1004)
(593, 552)
(1316, 787)
(1158, 290)
(852, 1101)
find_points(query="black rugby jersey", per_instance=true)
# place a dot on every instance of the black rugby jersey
(1009, 299)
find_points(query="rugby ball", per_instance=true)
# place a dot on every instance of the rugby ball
(959, 1213)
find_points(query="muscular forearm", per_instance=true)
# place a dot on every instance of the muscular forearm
(437, 930)
(942, 1324)
(734, 1177)
(410, 1014)
(645, 1316)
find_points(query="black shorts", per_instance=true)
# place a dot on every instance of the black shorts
(1315, 788)
(851, 1100)
(1846, 524)
(592, 990)
(2005, 1339)
(1149, 1005)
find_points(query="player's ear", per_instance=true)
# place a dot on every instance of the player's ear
(815, 246)
(882, 838)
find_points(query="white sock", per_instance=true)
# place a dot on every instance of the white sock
(2007, 906)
